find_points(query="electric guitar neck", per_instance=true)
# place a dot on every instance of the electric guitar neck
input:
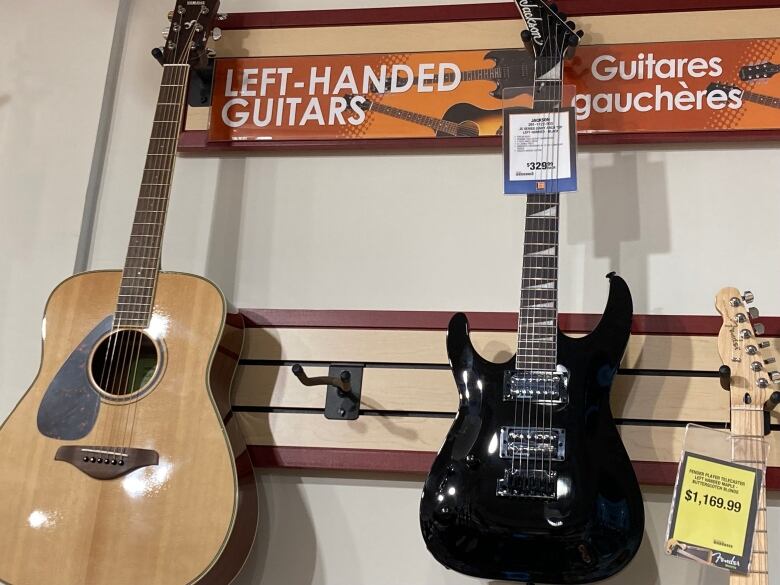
(754, 382)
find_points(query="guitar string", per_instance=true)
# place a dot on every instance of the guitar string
(172, 143)
(560, 54)
(150, 187)
(161, 180)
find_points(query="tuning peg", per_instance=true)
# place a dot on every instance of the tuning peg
(216, 33)
(165, 33)
(580, 33)
(554, 7)
(753, 311)
(221, 16)
(210, 53)
(763, 344)
(563, 15)
(770, 360)
(774, 376)
(525, 37)
(748, 297)
(758, 328)
(570, 24)
(170, 15)
(159, 55)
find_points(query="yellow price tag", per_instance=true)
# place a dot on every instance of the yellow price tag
(715, 511)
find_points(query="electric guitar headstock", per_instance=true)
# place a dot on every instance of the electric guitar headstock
(755, 379)
(724, 87)
(549, 36)
(760, 71)
(192, 22)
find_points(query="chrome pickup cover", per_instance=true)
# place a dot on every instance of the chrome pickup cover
(542, 387)
(532, 443)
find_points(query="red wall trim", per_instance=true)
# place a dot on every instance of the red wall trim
(465, 12)
(196, 141)
(482, 321)
(419, 462)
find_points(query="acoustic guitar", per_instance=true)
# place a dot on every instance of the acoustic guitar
(458, 120)
(122, 465)
(755, 391)
(533, 483)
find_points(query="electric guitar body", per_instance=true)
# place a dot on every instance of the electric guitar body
(75, 509)
(516, 67)
(594, 525)
(473, 121)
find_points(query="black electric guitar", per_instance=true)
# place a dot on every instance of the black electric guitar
(760, 71)
(458, 120)
(512, 68)
(750, 96)
(533, 482)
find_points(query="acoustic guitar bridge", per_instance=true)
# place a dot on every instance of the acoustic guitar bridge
(106, 462)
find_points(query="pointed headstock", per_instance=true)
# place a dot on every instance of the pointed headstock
(549, 36)
(753, 360)
(192, 22)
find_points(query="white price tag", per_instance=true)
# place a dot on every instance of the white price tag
(539, 152)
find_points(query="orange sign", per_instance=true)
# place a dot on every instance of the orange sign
(652, 87)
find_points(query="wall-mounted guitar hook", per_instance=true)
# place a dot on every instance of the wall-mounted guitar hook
(344, 382)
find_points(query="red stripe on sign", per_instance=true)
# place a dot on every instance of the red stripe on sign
(470, 12)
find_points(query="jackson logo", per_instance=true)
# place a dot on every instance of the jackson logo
(526, 9)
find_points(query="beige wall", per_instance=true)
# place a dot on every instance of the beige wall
(422, 231)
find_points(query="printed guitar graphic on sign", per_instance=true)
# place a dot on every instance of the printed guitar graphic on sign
(459, 120)
(533, 483)
(122, 464)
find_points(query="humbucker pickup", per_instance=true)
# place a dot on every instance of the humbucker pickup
(533, 443)
(542, 387)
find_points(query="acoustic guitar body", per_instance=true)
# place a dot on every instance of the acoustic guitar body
(153, 488)
(473, 121)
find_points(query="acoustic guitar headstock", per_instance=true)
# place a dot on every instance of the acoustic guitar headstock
(192, 22)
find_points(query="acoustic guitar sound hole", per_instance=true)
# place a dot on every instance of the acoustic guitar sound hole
(124, 364)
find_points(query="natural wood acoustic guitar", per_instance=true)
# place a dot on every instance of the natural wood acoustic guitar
(122, 465)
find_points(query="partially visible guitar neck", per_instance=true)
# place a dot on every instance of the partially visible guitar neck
(537, 321)
(142, 264)
(758, 98)
(436, 124)
(747, 422)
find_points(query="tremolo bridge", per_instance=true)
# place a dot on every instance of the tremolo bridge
(536, 386)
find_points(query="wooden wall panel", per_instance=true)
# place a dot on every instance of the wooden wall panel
(661, 352)
(643, 443)
(662, 398)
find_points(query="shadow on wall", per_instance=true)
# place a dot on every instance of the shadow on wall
(222, 257)
(277, 512)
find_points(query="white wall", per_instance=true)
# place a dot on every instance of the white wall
(422, 231)
(53, 65)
